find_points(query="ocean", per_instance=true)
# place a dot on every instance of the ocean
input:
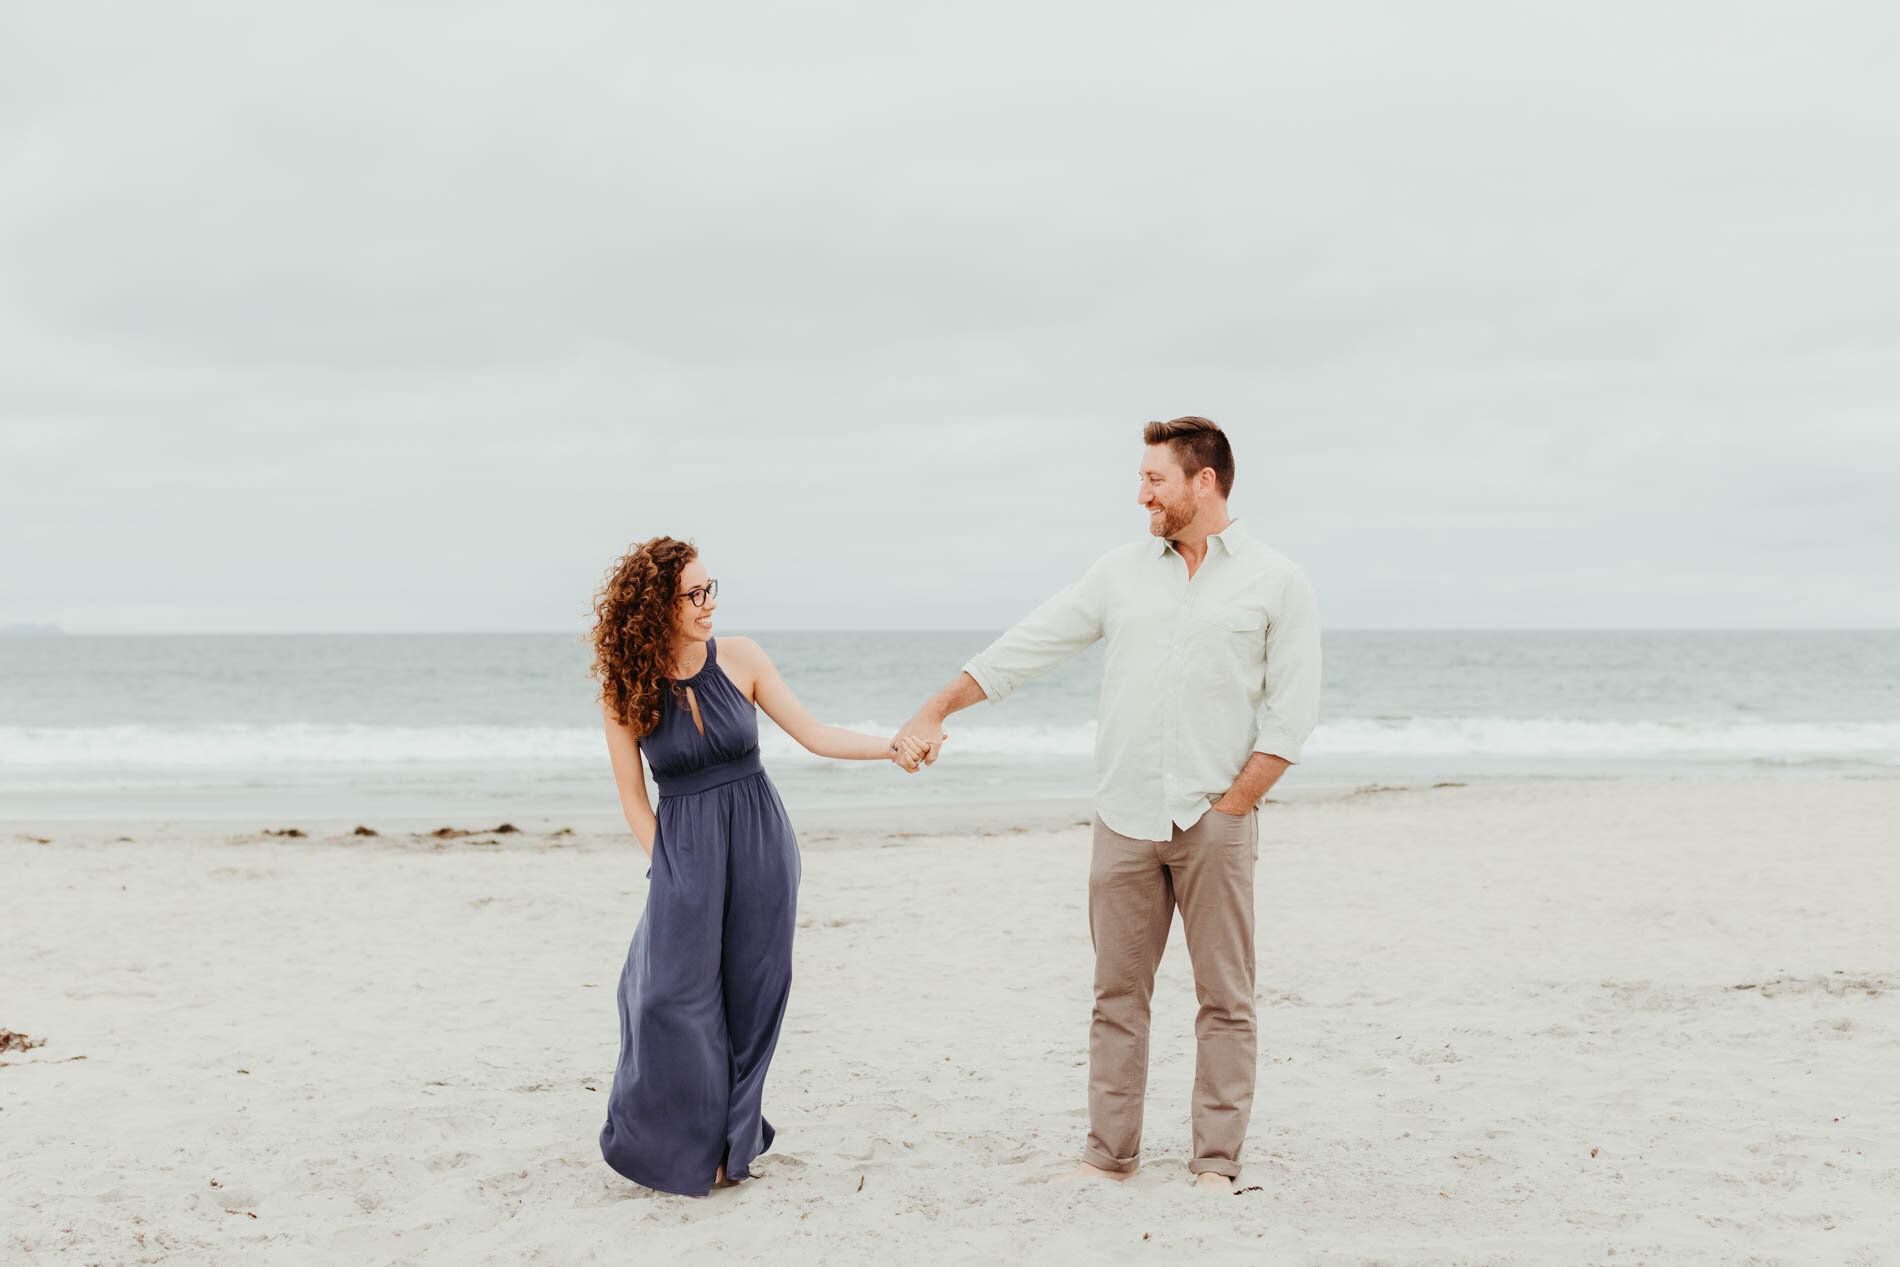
(276, 727)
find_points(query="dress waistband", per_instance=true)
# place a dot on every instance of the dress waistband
(704, 780)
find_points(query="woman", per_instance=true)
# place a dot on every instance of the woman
(710, 967)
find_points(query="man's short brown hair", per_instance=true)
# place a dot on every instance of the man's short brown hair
(1196, 443)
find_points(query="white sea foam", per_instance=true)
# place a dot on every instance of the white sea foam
(1027, 742)
(242, 746)
(295, 743)
(1566, 737)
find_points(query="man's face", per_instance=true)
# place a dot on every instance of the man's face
(1166, 493)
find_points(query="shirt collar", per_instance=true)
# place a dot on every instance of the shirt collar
(1228, 537)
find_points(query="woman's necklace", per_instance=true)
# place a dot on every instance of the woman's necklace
(680, 661)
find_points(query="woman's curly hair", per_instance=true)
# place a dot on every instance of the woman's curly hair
(633, 630)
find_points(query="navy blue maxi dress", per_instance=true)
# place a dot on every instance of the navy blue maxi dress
(707, 976)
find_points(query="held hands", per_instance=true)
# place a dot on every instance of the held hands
(910, 753)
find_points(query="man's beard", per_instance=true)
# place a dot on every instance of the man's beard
(1173, 519)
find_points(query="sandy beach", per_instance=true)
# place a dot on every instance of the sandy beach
(1523, 1021)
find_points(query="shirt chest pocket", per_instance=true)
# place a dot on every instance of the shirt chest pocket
(1232, 637)
(1234, 620)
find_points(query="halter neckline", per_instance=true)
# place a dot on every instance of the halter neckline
(712, 658)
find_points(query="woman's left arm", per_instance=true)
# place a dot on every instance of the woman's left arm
(771, 694)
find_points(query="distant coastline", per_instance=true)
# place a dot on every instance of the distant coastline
(28, 629)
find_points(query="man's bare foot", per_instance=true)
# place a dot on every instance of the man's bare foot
(1086, 1171)
(1208, 1181)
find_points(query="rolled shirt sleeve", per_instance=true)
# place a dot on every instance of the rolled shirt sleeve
(1065, 625)
(1290, 707)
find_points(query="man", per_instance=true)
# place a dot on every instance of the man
(1210, 687)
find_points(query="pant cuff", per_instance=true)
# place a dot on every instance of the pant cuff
(1114, 1165)
(1214, 1166)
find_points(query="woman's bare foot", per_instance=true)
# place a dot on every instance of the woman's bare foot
(720, 1180)
(1208, 1181)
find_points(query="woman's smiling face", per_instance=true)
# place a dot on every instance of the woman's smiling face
(694, 623)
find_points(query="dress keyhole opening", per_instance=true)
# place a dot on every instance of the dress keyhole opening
(692, 703)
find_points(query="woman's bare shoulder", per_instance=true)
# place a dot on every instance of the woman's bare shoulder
(745, 650)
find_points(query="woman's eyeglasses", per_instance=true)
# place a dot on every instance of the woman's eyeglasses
(698, 595)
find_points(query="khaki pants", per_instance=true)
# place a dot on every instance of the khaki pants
(1134, 886)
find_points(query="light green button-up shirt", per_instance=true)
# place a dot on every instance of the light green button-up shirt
(1200, 673)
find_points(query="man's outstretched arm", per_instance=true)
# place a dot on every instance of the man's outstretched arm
(1067, 623)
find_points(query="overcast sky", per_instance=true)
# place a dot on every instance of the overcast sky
(354, 316)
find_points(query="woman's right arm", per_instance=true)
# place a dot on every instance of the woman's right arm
(631, 779)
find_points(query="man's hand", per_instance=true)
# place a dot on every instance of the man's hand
(925, 730)
(927, 726)
(1260, 773)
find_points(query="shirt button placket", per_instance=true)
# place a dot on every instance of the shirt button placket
(1171, 724)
